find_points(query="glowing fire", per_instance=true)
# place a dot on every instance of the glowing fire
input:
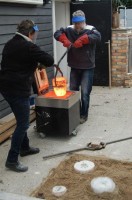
(59, 85)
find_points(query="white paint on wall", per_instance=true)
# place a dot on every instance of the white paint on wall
(61, 18)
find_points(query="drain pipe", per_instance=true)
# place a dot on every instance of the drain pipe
(109, 57)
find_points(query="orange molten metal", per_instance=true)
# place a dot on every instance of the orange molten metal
(51, 95)
(60, 86)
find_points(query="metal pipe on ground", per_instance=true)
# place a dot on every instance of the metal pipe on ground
(90, 147)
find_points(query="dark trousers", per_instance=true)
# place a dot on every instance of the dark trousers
(21, 108)
(83, 78)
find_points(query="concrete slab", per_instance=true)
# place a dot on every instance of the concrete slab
(109, 119)
(10, 196)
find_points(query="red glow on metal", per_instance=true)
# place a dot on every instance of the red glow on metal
(51, 94)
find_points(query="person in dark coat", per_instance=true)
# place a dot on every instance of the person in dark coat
(20, 58)
(81, 40)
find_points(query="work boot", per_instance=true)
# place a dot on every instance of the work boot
(17, 166)
(83, 119)
(30, 151)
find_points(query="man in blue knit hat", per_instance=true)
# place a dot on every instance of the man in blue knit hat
(82, 39)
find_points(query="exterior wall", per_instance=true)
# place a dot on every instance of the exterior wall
(129, 17)
(10, 16)
(120, 52)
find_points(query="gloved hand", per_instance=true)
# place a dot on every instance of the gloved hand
(63, 39)
(81, 41)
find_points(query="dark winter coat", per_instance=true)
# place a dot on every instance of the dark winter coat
(19, 61)
(84, 57)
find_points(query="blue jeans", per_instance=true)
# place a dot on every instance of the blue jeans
(83, 78)
(21, 108)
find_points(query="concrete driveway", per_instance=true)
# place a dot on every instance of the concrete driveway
(110, 118)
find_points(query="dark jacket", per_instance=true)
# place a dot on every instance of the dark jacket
(19, 61)
(84, 57)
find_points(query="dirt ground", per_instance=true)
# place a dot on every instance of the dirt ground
(78, 185)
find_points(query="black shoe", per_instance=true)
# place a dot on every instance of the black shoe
(17, 167)
(83, 119)
(30, 151)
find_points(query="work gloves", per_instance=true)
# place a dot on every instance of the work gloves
(63, 39)
(77, 44)
(81, 41)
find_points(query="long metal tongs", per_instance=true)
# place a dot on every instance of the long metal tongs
(90, 146)
(57, 65)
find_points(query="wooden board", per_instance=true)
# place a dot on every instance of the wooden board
(8, 121)
(5, 125)
(5, 135)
